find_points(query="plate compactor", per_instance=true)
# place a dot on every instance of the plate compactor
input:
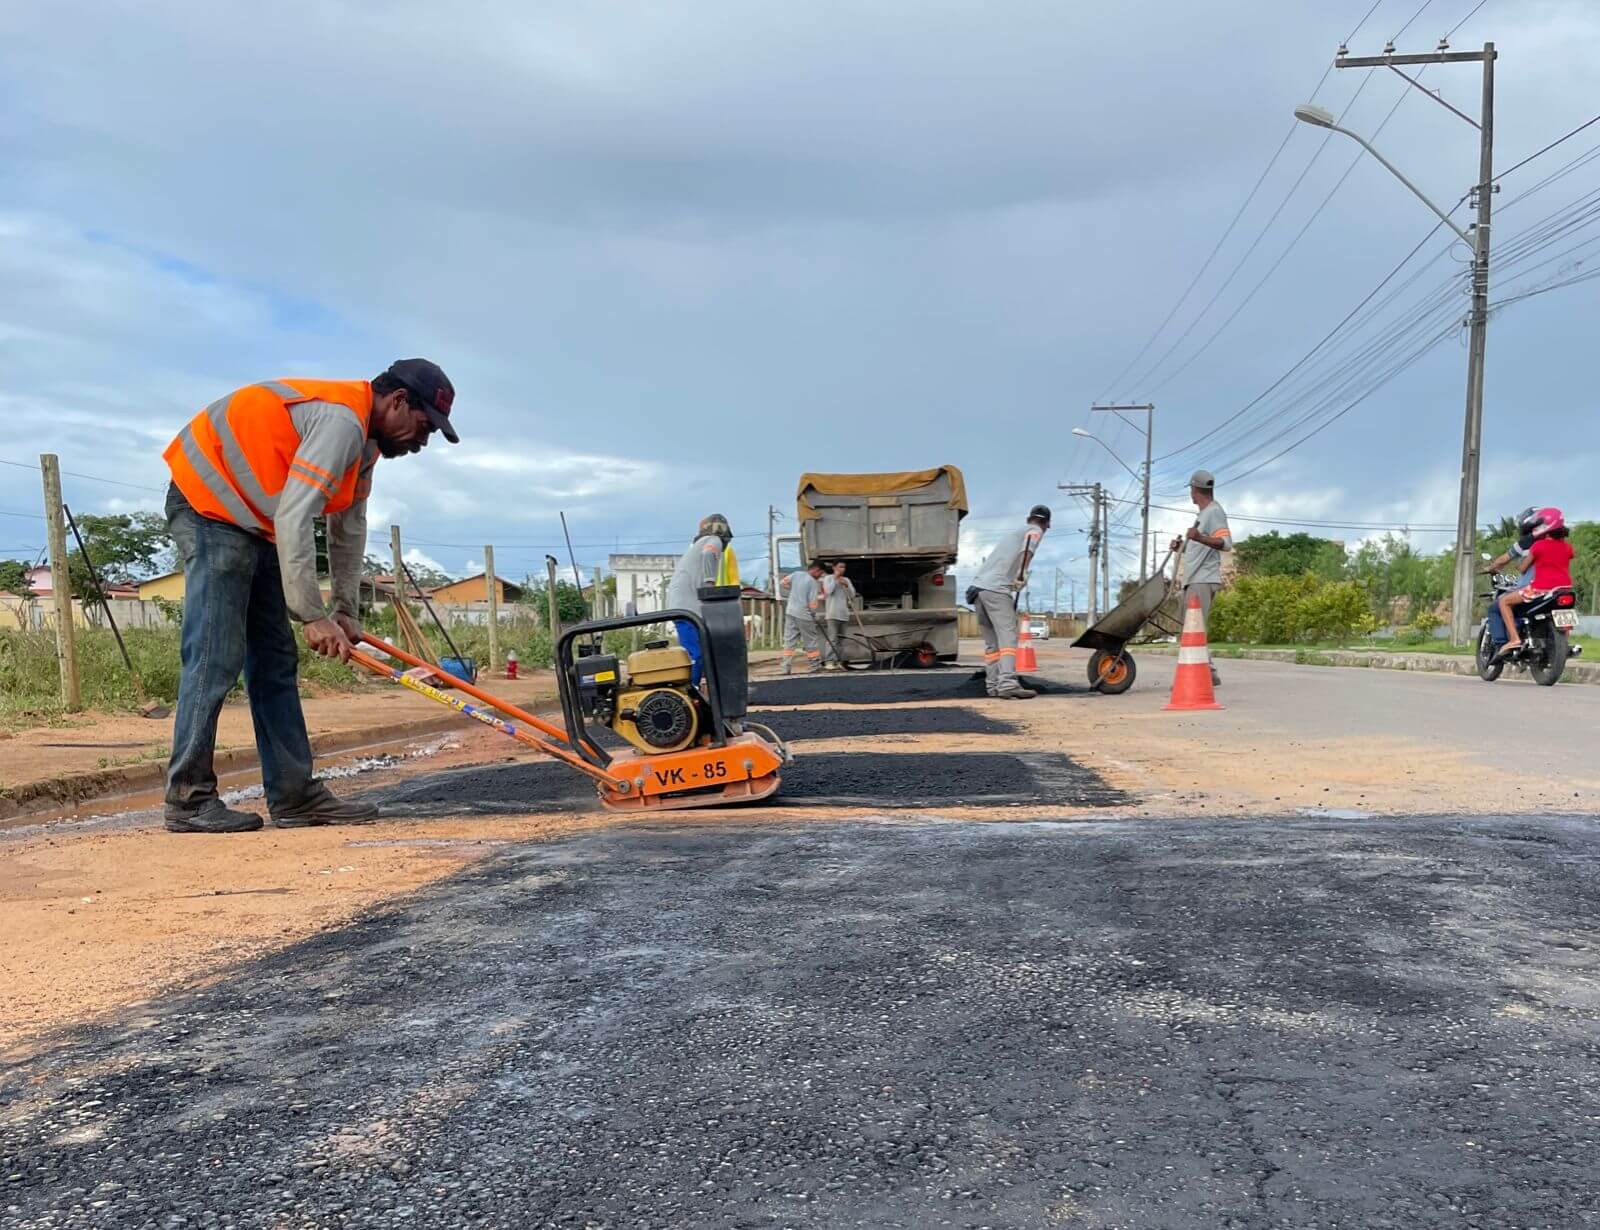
(687, 746)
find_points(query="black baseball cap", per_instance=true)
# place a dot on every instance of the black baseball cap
(430, 390)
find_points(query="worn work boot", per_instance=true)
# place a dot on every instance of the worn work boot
(214, 817)
(321, 807)
(1017, 693)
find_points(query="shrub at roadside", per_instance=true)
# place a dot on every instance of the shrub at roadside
(1280, 610)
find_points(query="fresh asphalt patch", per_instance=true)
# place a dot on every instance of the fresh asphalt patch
(886, 780)
(1194, 1023)
(853, 722)
(890, 688)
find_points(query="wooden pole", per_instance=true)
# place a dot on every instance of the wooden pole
(399, 571)
(550, 594)
(61, 583)
(494, 607)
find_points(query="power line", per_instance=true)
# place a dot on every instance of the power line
(1451, 32)
(1420, 526)
(93, 478)
(1518, 166)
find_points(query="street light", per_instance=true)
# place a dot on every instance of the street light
(1144, 479)
(1321, 117)
(1461, 602)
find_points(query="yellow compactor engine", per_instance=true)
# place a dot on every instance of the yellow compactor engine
(651, 703)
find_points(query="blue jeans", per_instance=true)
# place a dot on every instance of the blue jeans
(689, 638)
(234, 618)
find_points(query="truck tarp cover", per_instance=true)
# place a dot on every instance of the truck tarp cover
(878, 484)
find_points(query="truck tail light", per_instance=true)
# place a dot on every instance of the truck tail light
(938, 578)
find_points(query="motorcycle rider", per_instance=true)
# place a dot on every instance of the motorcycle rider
(1528, 520)
(1550, 558)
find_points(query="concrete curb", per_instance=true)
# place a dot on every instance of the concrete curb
(1437, 663)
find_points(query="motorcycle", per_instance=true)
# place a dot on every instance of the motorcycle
(1545, 626)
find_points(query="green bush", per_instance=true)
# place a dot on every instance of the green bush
(1280, 610)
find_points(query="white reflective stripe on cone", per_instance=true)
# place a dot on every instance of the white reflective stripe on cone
(1194, 620)
(1193, 655)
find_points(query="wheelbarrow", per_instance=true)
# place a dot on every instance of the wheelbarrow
(1138, 616)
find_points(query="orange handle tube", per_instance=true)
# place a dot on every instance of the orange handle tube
(388, 672)
(461, 685)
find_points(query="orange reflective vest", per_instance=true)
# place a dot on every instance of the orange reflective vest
(234, 458)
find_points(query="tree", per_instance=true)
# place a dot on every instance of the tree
(1278, 555)
(570, 605)
(14, 576)
(123, 546)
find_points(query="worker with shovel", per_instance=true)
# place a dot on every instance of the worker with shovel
(838, 592)
(250, 472)
(993, 592)
(800, 615)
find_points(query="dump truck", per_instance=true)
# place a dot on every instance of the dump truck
(897, 535)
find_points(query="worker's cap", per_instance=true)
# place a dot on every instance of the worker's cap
(431, 392)
(1040, 512)
(1203, 479)
(715, 523)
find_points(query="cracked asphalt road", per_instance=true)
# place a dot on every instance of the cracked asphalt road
(1108, 1024)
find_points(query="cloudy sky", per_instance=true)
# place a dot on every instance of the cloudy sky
(673, 255)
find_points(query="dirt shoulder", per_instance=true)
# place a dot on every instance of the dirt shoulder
(97, 754)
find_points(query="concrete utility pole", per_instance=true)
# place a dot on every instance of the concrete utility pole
(493, 589)
(1105, 547)
(1461, 602)
(772, 550)
(1096, 502)
(61, 583)
(1144, 477)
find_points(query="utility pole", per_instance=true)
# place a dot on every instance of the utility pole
(1096, 500)
(1105, 547)
(1461, 602)
(772, 550)
(1149, 426)
(61, 583)
(493, 590)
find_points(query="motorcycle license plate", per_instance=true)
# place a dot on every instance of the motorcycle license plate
(1564, 619)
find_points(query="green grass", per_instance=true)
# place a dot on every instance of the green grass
(30, 680)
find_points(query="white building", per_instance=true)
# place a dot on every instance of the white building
(642, 580)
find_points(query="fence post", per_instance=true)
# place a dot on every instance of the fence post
(399, 569)
(494, 607)
(61, 583)
(555, 608)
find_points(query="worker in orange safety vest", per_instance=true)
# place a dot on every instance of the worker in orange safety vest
(250, 473)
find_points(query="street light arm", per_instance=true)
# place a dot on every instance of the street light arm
(1107, 447)
(1400, 175)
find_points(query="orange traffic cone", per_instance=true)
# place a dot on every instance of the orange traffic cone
(1191, 686)
(1027, 660)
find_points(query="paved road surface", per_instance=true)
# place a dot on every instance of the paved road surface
(1145, 1024)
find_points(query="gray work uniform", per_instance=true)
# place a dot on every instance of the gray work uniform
(699, 565)
(800, 620)
(1202, 565)
(837, 593)
(1000, 579)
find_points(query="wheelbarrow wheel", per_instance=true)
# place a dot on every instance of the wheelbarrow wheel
(1111, 673)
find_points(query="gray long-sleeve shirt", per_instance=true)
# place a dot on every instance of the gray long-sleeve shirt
(698, 566)
(839, 592)
(804, 592)
(331, 441)
(1005, 569)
